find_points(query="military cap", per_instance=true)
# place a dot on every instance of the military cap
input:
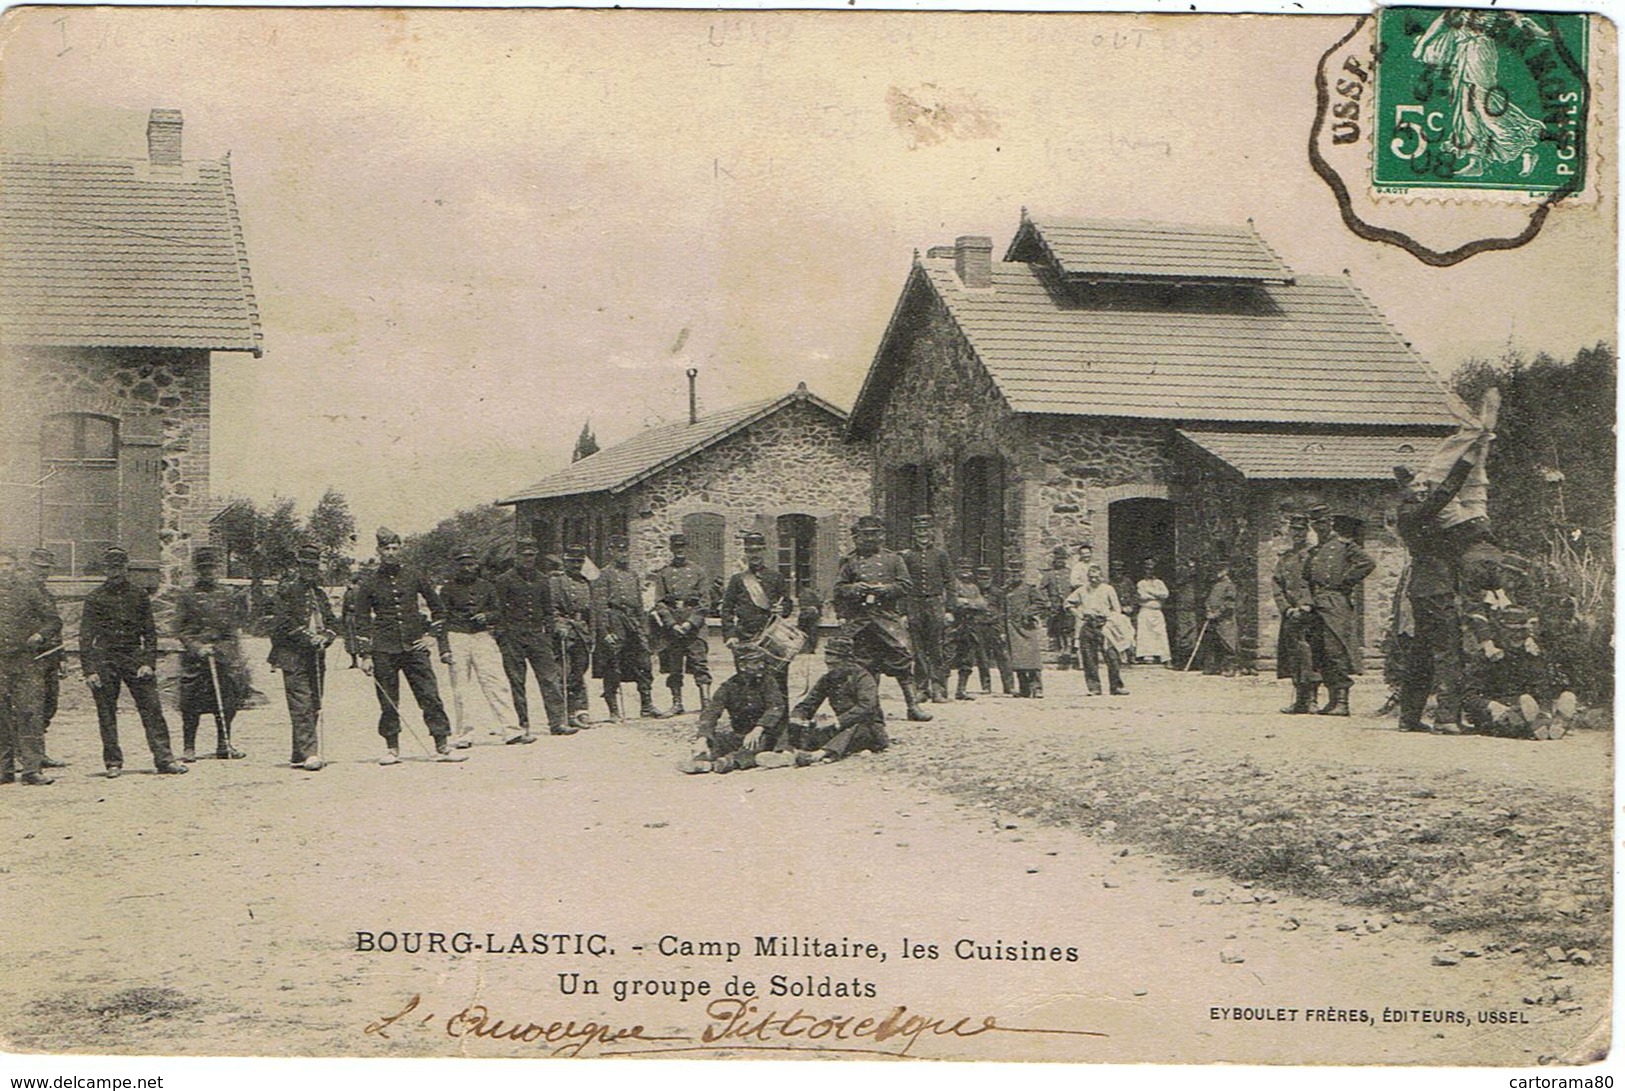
(1015, 564)
(748, 653)
(838, 646)
(115, 555)
(1059, 553)
(1350, 518)
(310, 552)
(552, 562)
(526, 545)
(465, 554)
(1319, 511)
(677, 540)
(42, 556)
(1090, 546)
(1404, 474)
(924, 522)
(618, 541)
(205, 555)
(964, 562)
(984, 568)
(575, 552)
(386, 537)
(868, 522)
(755, 540)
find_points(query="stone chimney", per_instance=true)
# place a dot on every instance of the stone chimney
(973, 260)
(164, 138)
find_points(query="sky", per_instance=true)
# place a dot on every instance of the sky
(472, 232)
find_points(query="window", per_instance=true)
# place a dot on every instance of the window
(910, 494)
(798, 550)
(705, 531)
(981, 511)
(80, 494)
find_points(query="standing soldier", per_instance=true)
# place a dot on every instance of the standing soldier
(1293, 657)
(1026, 608)
(1054, 587)
(1335, 569)
(682, 601)
(302, 626)
(29, 625)
(347, 618)
(969, 608)
(621, 631)
(526, 619)
(118, 646)
(214, 673)
(871, 586)
(931, 580)
(993, 636)
(753, 598)
(394, 639)
(572, 632)
(1185, 602)
(54, 665)
(468, 648)
(1221, 623)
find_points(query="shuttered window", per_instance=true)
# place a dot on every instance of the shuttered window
(798, 550)
(80, 493)
(705, 531)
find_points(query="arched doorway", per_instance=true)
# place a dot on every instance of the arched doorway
(1142, 528)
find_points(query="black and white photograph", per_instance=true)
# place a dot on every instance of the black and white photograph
(845, 535)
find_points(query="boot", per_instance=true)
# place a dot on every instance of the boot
(1303, 700)
(959, 691)
(612, 699)
(915, 712)
(1038, 685)
(676, 700)
(1337, 704)
(646, 706)
(985, 678)
(705, 694)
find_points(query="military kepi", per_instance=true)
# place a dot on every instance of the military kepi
(205, 555)
(115, 555)
(310, 552)
(386, 537)
(868, 522)
(755, 540)
(42, 556)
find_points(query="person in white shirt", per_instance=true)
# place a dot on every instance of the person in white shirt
(1092, 605)
(1151, 628)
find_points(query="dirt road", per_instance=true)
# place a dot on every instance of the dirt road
(223, 912)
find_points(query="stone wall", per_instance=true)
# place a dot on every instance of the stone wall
(162, 393)
(1088, 464)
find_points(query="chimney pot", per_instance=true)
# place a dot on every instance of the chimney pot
(973, 260)
(693, 395)
(164, 138)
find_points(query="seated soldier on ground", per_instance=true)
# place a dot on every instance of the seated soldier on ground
(855, 699)
(756, 720)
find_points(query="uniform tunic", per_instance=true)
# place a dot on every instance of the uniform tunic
(622, 629)
(746, 611)
(301, 617)
(572, 601)
(117, 637)
(29, 625)
(870, 591)
(388, 623)
(1024, 611)
(526, 619)
(208, 615)
(931, 580)
(682, 597)
(1433, 664)
(1290, 586)
(855, 700)
(751, 701)
(1335, 570)
(970, 611)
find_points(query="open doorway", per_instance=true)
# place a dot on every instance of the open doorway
(1142, 529)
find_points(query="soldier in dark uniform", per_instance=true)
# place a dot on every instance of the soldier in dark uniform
(53, 665)
(993, 637)
(752, 599)
(1185, 604)
(969, 608)
(1026, 608)
(118, 646)
(29, 625)
(1293, 657)
(1054, 586)
(871, 587)
(394, 639)
(1223, 649)
(302, 629)
(1335, 569)
(854, 698)
(756, 720)
(682, 600)
(621, 631)
(573, 629)
(931, 581)
(526, 620)
(1434, 661)
(214, 672)
(347, 618)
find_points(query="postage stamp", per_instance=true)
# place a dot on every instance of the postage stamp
(1480, 99)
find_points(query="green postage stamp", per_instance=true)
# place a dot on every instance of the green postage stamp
(1480, 99)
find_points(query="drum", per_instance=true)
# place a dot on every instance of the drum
(781, 641)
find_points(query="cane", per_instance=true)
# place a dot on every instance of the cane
(1197, 646)
(321, 701)
(219, 702)
(393, 707)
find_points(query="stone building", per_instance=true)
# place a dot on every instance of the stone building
(1160, 391)
(781, 466)
(118, 279)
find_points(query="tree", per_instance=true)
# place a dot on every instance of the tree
(332, 527)
(488, 530)
(279, 537)
(586, 443)
(239, 534)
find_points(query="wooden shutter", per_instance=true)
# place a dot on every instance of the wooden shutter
(826, 554)
(141, 487)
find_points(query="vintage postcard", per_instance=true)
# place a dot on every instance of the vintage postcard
(868, 536)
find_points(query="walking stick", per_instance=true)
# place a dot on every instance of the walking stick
(1197, 646)
(321, 702)
(219, 702)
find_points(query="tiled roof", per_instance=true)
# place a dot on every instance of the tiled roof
(1311, 352)
(1279, 456)
(115, 253)
(617, 468)
(1142, 250)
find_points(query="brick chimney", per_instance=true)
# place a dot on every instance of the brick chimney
(164, 138)
(973, 260)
